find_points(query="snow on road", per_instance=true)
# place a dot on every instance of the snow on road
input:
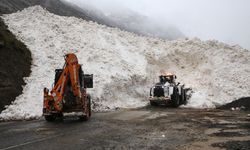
(124, 64)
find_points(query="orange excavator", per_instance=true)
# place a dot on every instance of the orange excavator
(68, 96)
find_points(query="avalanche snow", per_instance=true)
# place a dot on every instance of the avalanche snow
(125, 65)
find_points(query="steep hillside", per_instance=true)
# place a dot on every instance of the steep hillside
(127, 19)
(15, 64)
(124, 64)
(15, 57)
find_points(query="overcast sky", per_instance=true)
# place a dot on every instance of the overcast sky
(223, 20)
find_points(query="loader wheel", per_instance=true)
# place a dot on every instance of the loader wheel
(83, 118)
(175, 99)
(153, 103)
(182, 96)
(185, 97)
(50, 118)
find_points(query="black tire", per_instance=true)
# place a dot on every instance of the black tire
(153, 103)
(83, 118)
(185, 97)
(182, 96)
(50, 118)
(80, 76)
(89, 104)
(175, 98)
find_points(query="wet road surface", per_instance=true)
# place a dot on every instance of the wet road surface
(144, 128)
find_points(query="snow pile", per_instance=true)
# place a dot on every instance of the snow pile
(124, 65)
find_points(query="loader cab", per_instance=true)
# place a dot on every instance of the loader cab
(157, 90)
(167, 78)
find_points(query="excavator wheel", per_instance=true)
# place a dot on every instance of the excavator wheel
(58, 73)
(50, 118)
(85, 118)
(89, 104)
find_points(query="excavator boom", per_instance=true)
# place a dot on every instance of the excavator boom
(70, 82)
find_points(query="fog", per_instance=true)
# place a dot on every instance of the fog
(224, 20)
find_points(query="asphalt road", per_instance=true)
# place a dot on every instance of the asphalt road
(145, 128)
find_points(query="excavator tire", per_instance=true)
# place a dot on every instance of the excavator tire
(89, 104)
(50, 118)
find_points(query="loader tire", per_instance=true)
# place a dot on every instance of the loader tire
(182, 96)
(153, 103)
(83, 118)
(185, 97)
(50, 118)
(175, 99)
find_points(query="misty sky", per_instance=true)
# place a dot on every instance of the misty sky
(224, 20)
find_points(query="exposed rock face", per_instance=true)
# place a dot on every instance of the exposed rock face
(242, 103)
(15, 64)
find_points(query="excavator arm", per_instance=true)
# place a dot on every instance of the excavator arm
(70, 75)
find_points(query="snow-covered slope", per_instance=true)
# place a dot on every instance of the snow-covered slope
(124, 65)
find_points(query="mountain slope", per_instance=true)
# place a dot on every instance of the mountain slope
(16, 58)
(15, 64)
(124, 64)
(54, 6)
(127, 19)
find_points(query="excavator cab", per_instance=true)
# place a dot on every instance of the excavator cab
(58, 73)
(88, 80)
(85, 79)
